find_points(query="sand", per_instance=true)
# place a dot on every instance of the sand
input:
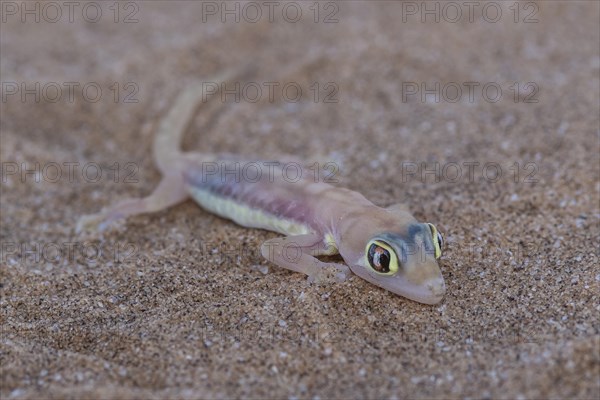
(180, 304)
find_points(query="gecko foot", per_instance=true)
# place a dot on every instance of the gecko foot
(92, 223)
(330, 273)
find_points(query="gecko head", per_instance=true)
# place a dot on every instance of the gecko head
(403, 261)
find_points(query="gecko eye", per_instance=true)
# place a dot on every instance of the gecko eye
(382, 258)
(438, 240)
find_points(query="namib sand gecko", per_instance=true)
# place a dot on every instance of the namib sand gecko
(385, 246)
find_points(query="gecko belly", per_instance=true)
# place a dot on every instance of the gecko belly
(245, 215)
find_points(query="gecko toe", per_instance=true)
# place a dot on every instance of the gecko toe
(330, 273)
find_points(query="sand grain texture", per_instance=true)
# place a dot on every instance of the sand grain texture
(183, 309)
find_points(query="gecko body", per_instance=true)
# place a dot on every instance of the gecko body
(385, 246)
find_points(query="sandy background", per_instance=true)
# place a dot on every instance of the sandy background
(177, 304)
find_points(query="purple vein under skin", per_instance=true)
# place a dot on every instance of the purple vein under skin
(306, 201)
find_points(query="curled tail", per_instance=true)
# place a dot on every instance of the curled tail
(167, 142)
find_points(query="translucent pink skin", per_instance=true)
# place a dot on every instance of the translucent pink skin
(330, 212)
(324, 213)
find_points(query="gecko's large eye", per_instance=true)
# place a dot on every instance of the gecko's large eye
(438, 240)
(382, 258)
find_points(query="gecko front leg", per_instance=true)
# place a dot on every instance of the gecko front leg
(297, 253)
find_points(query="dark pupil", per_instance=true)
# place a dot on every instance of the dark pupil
(379, 258)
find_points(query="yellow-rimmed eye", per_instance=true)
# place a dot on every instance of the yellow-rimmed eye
(381, 258)
(438, 240)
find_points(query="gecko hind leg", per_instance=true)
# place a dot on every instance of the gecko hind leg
(297, 253)
(170, 191)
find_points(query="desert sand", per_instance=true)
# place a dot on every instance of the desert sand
(180, 304)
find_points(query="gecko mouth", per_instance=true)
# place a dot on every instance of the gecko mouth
(431, 292)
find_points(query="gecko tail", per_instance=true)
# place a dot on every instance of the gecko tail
(169, 135)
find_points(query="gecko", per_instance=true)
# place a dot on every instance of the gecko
(387, 247)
